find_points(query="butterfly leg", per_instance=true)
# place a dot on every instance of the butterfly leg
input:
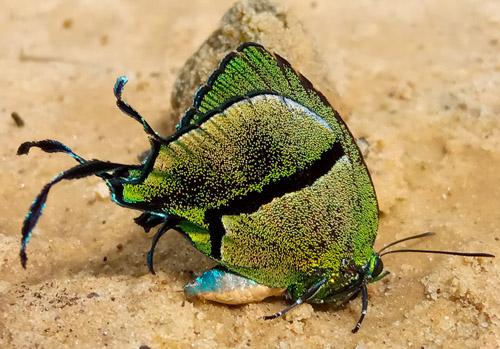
(364, 299)
(169, 223)
(309, 294)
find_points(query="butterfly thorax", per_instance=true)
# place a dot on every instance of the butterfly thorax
(342, 285)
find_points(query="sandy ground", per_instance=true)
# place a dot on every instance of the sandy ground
(420, 80)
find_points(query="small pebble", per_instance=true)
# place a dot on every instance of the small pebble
(17, 119)
(101, 191)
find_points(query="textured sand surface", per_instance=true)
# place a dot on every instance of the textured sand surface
(420, 80)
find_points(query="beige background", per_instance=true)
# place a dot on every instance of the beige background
(419, 79)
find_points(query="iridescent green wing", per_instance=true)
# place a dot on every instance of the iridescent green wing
(253, 70)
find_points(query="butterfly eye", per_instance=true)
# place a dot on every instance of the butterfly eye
(378, 267)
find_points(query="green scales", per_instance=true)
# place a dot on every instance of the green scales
(263, 176)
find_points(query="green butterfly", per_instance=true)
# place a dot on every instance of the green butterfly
(262, 176)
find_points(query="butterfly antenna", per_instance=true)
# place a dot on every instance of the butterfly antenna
(406, 239)
(453, 253)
